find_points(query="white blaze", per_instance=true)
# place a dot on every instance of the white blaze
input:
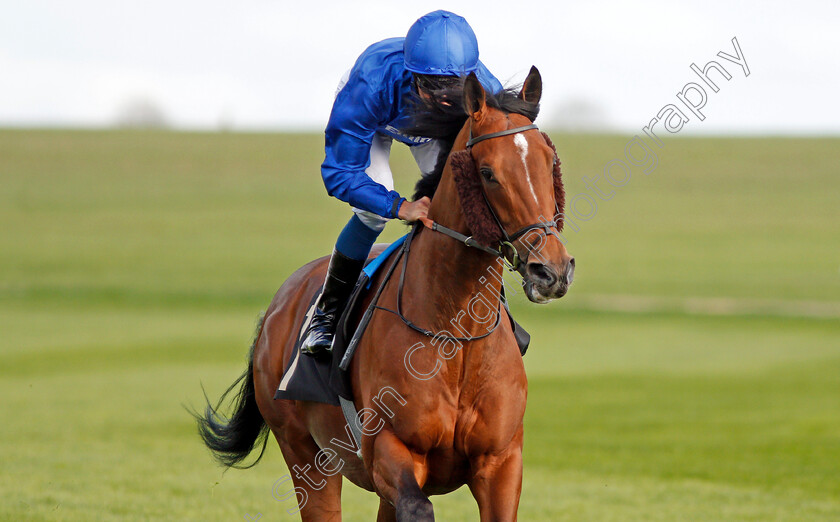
(522, 145)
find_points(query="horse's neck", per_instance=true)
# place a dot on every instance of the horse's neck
(448, 280)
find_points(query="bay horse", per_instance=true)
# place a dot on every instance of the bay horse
(443, 411)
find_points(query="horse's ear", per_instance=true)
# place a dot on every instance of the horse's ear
(474, 97)
(532, 88)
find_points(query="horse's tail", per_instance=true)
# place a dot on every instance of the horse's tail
(232, 440)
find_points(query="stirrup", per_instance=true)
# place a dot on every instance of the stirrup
(324, 334)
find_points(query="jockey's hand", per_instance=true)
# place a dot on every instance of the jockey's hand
(412, 211)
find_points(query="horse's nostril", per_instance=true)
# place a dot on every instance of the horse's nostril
(570, 272)
(543, 274)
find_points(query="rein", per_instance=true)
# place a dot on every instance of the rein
(515, 263)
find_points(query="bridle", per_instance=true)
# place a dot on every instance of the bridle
(515, 263)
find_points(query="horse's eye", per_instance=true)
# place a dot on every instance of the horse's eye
(487, 174)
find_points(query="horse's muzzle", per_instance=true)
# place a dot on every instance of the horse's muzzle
(545, 282)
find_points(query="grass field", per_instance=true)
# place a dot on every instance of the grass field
(692, 373)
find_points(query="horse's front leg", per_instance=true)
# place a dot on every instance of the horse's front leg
(398, 475)
(496, 482)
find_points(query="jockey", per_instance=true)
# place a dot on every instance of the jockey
(372, 106)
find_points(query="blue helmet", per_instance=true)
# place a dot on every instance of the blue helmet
(441, 43)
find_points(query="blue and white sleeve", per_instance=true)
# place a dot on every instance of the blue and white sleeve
(348, 137)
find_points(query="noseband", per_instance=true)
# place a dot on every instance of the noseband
(515, 263)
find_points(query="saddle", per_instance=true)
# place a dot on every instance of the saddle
(320, 379)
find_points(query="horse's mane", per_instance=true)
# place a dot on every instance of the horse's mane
(442, 117)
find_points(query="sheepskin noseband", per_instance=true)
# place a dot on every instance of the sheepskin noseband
(476, 213)
(559, 192)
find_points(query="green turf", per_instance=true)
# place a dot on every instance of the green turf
(133, 265)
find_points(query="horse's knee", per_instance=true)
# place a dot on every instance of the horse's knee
(415, 509)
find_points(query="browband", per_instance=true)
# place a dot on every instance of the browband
(472, 141)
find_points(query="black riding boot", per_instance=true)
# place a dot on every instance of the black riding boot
(341, 278)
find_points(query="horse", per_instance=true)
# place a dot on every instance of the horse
(438, 379)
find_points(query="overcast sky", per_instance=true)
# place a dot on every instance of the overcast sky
(275, 64)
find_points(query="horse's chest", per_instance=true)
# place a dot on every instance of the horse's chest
(488, 424)
(488, 421)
